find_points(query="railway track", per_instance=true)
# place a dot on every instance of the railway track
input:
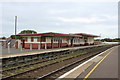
(23, 59)
(56, 73)
(31, 63)
(54, 60)
(26, 64)
(67, 60)
(8, 62)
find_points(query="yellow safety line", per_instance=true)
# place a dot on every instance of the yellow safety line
(96, 66)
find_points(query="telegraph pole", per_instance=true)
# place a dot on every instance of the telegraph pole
(15, 26)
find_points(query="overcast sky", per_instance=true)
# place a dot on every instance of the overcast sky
(62, 16)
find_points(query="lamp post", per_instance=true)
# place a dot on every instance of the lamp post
(15, 26)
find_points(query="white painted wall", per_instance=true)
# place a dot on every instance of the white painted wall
(35, 39)
(78, 41)
(64, 40)
(69, 42)
(28, 39)
(82, 41)
(48, 40)
(90, 40)
(19, 43)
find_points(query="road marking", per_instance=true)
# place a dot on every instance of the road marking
(96, 65)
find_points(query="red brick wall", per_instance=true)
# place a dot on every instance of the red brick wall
(56, 45)
(48, 45)
(38, 39)
(26, 38)
(42, 46)
(27, 46)
(64, 44)
(35, 45)
(16, 45)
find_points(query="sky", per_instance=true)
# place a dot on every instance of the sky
(98, 17)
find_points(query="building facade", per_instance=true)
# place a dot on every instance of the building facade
(54, 40)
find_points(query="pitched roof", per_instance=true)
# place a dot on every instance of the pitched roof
(50, 33)
(84, 34)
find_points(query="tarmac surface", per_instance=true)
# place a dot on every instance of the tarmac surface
(107, 69)
(103, 66)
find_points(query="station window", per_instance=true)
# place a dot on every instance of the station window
(38, 39)
(74, 40)
(43, 39)
(32, 39)
(55, 39)
(67, 40)
(35, 39)
(25, 39)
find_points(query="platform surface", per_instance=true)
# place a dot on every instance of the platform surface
(101, 67)
(17, 52)
(108, 68)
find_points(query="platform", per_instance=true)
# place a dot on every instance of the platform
(104, 66)
(17, 52)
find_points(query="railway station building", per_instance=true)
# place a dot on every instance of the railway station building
(54, 40)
